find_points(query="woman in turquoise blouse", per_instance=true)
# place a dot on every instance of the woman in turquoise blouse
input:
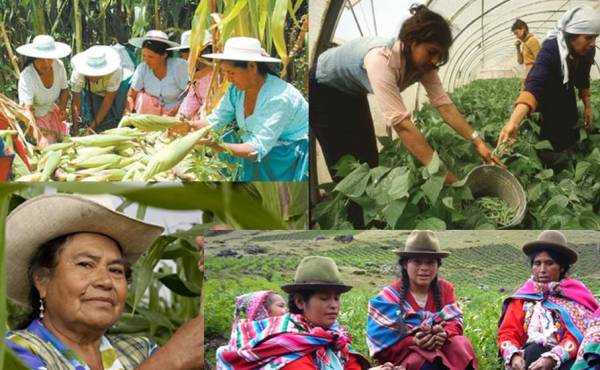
(271, 116)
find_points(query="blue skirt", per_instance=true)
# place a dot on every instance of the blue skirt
(287, 161)
(113, 117)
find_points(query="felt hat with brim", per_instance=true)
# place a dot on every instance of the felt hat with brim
(50, 216)
(246, 49)
(153, 35)
(317, 273)
(186, 38)
(99, 60)
(422, 243)
(44, 47)
(554, 241)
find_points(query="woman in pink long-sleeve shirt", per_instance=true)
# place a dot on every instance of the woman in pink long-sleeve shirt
(339, 111)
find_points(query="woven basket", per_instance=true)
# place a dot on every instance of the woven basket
(495, 181)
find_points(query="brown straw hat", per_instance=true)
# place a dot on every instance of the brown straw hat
(317, 273)
(50, 216)
(551, 240)
(422, 243)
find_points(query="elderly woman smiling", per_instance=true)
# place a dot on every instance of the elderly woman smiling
(543, 323)
(72, 272)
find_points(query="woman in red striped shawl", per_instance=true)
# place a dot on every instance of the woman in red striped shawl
(543, 323)
(415, 322)
(307, 338)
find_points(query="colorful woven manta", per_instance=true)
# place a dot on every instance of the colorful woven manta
(388, 307)
(569, 298)
(589, 351)
(275, 342)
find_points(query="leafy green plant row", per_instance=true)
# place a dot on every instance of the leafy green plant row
(402, 194)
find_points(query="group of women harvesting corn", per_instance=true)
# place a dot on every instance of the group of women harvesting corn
(415, 323)
(261, 122)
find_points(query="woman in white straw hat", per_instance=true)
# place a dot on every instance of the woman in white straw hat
(562, 65)
(43, 81)
(271, 115)
(415, 321)
(71, 271)
(158, 82)
(193, 102)
(96, 83)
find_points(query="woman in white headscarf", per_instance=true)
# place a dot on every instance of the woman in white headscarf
(563, 64)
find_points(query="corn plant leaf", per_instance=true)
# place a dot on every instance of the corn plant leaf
(235, 206)
(230, 23)
(199, 24)
(178, 286)
(143, 269)
(278, 29)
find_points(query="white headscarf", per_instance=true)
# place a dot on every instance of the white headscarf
(581, 20)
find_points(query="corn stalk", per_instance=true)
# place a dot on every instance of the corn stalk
(37, 16)
(265, 20)
(156, 16)
(77, 21)
(9, 51)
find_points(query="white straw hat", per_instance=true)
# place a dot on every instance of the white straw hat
(44, 46)
(186, 38)
(154, 35)
(244, 49)
(50, 216)
(99, 60)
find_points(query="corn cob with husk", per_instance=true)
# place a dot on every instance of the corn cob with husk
(149, 122)
(124, 131)
(92, 151)
(169, 156)
(101, 140)
(126, 154)
(98, 161)
(51, 163)
(58, 146)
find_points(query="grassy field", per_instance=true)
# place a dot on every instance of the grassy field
(485, 267)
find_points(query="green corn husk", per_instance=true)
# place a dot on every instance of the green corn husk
(149, 122)
(58, 146)
(32, 177)
(98, 161)
(170, 155)
(124, 131)
(91, 171)
(52, 162)
(100, 140)
(92, 151)
(112, 174)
